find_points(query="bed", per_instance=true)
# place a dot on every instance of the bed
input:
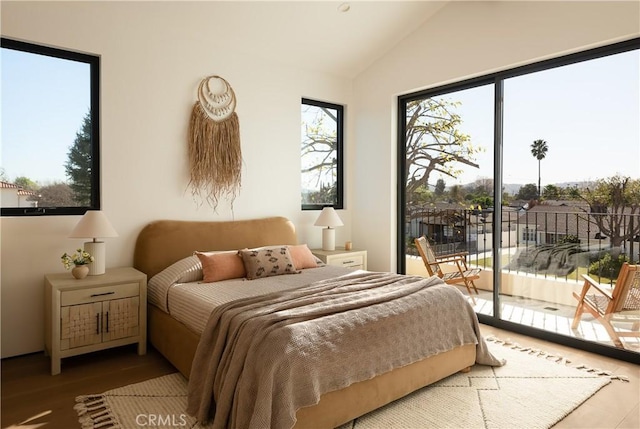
(163, 243)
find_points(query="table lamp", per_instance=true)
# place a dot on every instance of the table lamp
(329, 218)
(94, 224)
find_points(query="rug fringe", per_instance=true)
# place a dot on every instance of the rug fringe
(101, 418)
(556, 358)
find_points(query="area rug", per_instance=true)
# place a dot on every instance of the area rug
(533, 390)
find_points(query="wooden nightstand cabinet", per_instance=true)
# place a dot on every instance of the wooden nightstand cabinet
(343, 258)
(94, 313)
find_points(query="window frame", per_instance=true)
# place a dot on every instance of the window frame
(339, 202)
(498, 79)
(94, 69)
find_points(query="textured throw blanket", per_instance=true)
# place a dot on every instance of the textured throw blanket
(262, 358)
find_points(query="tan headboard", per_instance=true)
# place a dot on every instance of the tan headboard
(163, 242)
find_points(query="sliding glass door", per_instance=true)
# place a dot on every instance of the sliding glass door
(534, 173)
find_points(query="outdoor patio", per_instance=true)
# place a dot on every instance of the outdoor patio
(551, 317)
(553, 313)
(545, 250)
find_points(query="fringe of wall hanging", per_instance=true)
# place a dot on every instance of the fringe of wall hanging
(215, 156)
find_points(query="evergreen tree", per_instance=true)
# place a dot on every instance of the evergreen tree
(79, 162)
(440, 187)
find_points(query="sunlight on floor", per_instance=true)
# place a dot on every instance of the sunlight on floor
(556, 318)
(24, 425)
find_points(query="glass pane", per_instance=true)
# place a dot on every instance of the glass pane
(46, 131)
(449, 183)
(572, 174)
(320, 151)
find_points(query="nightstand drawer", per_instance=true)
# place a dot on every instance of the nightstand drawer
(94, 294)
(343, 258)
(354, 261)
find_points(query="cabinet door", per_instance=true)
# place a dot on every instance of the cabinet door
(120, 318)
(80, 325)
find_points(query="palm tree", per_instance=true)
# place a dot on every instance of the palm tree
(539, 150)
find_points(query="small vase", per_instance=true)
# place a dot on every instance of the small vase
(80, 271)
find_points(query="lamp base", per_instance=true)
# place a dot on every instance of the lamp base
(328, 239)
(97, 249)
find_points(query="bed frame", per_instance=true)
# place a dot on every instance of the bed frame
(164, 242)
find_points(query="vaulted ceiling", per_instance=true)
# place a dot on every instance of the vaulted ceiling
(318, 35)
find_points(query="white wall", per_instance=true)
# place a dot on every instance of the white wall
(464, 39)
(153, 55)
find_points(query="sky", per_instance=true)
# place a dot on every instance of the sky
(44, 99)
(588, 113)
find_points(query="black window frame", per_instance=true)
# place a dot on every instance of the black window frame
(497, 79)
(339, 203)
(94, 66)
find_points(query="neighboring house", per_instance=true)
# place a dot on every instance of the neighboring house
(552, 221)
(454, 227)
(14, 196)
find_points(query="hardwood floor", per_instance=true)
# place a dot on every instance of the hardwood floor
(28, 389)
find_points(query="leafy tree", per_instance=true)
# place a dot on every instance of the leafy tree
(318, 154)
(608, 266)
(613, 202)
(506, 198)
(483, 186)
(456, 194)
(434, 143)
(539, 150)
(482, 202)
(573, 193)
(552, 192)
(324, 195)
(527, 192)
(26, 183)
(78, 165)
(56, 195)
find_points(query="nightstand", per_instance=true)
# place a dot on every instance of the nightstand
(94, 313)
(343, 258)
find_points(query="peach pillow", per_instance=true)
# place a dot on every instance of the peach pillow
(302, 257)
(221, 266)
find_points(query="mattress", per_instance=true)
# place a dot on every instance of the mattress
(192, 302)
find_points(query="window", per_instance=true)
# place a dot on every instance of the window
(529, 235)
(321, 155)
(551, 151)
(49, 162)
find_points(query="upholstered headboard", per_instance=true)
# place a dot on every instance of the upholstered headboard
(163, 242)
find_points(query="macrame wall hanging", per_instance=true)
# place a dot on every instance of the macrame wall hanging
(215, 157)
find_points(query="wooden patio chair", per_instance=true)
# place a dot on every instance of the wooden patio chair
(620, 304)
(462, 274)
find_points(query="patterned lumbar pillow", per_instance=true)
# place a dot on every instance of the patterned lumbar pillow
(267, 262)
